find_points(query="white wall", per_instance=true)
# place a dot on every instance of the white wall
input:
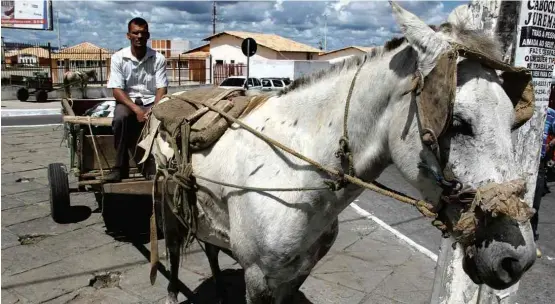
(340, 55)
(228, 48)
(303, 68)
(285, 68)
(272, 68)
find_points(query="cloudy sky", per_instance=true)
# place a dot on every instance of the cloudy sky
(104, 23)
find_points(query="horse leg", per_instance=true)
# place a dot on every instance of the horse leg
(212, 252)
(316, 253)
(257, 289)
(174, 240)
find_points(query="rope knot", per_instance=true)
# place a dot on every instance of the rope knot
(343, 147)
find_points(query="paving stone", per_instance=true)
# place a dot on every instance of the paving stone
(46, 283)
(25, 213)
(407, 283)
(378, 299)
(110, 257)
(18, 167)
(20, 187)
(105, 296)
(75, 242)
(322, 292)
(10, 202)
(381, 248)
(25, 257)
(9, 239)
(10, 297)
(137, 281)
(33, 196)
(43, 225)
(353, 272)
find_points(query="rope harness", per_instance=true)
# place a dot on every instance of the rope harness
(492, 199)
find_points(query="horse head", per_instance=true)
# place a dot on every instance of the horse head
(456, 145)
(91, 74)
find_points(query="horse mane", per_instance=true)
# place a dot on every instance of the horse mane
(476, 39)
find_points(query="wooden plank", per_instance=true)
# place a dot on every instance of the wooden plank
(85, 120)
(137, 188)
(106, 152)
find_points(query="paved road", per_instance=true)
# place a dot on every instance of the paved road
(101, 257)
(31, 120)
(536, 287)
(347, 275)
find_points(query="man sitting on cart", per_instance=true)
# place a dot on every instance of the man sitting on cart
(138, 80)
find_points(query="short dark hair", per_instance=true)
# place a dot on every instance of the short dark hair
(137, 21)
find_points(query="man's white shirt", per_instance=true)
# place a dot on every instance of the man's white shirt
(139, 78)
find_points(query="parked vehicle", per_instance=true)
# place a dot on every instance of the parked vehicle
(275, 84)
(239, 81)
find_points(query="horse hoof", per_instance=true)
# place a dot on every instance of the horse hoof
(171, 300)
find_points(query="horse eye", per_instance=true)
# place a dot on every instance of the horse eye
(461, 127)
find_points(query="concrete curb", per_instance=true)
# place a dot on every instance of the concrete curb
(30, 112)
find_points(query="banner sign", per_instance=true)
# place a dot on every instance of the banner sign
(27, 14)
(535, 48)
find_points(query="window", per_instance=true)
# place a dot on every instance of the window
(256, 82)
(185, 64)
(277, 83)
(286, 81)
(266, 83)
(232, 61)
(168, 64)
(233, 82)
(250, 82)
(219, 62)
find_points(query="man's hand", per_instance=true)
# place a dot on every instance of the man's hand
(142, 114)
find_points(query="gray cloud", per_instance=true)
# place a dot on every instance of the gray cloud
(348, 23)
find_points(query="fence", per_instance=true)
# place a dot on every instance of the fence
(25, 60)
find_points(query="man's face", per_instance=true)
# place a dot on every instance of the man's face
(138, 35)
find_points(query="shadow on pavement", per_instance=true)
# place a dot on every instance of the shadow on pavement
(127, 217)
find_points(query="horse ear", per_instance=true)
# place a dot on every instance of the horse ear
(427, 43)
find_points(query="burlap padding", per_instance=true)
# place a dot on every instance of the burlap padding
(437, 97)
(494, 199)
(207, 126)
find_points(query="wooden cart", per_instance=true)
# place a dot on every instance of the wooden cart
(88, 163)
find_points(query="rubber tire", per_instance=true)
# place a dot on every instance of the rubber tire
(22, 94)
(59, 192)
(41, 96)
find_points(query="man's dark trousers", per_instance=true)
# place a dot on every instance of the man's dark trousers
(127, 130)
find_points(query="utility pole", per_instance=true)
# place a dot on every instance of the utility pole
(58, 25)
(213, 17)
(325, 31)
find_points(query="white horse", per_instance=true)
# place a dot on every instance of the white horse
(80, 78)
(278, 237)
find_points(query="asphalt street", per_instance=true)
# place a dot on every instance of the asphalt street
(31, 120)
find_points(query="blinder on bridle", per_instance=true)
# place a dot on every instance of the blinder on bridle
(436, 97)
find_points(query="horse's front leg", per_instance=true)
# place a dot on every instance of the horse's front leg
(212, 252)
(84, 89)
(174, 240)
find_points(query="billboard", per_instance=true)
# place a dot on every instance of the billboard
(27, 14)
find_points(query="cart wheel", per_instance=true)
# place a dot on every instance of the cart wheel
(41, 96)
(59, 191)
(22, 94)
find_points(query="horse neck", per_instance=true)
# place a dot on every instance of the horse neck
(311, 119)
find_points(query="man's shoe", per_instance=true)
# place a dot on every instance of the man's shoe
(114, 176)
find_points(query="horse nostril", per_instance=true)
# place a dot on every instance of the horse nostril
(512, 267)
